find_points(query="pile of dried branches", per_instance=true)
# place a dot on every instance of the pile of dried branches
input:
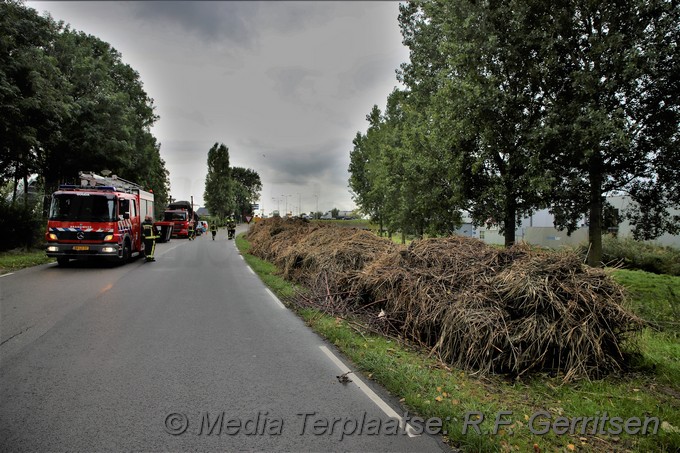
(477, 307)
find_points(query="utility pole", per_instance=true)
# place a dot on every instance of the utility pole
(286, 203)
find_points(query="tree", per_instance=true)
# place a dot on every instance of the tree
(247, 187)
(149, 170)
(614, 113)
(110, 119)
(552, 103)
(33, 97)
(218, 194)
(363, 166)
(482, 103)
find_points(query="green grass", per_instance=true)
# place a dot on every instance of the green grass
(431, 389)
(18, 259)
(655, 298)
(267, 271)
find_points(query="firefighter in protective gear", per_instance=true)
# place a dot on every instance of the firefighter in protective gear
(149, 236)
(191, 235)
(231, 227)
(213, 229)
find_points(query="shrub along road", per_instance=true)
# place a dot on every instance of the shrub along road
(190, 352)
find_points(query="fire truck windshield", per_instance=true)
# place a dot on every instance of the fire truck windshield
(174, 216)
(83, 207)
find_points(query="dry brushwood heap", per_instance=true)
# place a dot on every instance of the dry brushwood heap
(477, 307)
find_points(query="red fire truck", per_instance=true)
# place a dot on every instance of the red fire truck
(100, 218)
(181, 216)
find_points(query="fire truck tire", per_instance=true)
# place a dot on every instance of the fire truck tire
(62, 261)
(126, 253)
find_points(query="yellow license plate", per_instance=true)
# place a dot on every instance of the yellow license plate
(81, 247)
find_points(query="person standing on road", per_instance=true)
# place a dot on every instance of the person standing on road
(231, 227)
(192, 232)
(149, 237)
(213, 229)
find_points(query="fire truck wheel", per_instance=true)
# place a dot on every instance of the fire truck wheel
(126, 253)
(62, 261)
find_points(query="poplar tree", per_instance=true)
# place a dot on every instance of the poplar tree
(218, 194)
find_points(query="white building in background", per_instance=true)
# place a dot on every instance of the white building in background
(33, 183)
(626, 230)
(539, 229)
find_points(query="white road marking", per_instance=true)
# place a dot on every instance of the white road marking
(369, 393)
(251, 270)
(5, 275)
(276, 299)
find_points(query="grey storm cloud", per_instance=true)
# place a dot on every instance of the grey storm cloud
(364, 75)
(290, 82)
(284, 84)
(236, 21)
(210, 21)
(311, 163)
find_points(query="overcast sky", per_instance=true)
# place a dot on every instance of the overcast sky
(284, 85)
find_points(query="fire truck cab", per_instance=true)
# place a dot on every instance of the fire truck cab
(100, 218)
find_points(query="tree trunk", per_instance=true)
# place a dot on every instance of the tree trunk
(510, 222)
(14, 191)
(50, 185)
(509, 225)
(595, 212)
(25, 191)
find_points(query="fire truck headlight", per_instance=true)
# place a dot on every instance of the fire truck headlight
(108, 237)
(52, 248)
(108, 249)
(53, 237)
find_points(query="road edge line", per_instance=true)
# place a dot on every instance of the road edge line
(386, 408)
(276, 299)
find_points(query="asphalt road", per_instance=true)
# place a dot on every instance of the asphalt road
(188, 353)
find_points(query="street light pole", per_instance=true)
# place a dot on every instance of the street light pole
(286, 202)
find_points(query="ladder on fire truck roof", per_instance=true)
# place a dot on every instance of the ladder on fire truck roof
(91, 179)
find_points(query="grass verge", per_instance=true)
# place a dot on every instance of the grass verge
(18, 259)
(431, 389)
(655, 298)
